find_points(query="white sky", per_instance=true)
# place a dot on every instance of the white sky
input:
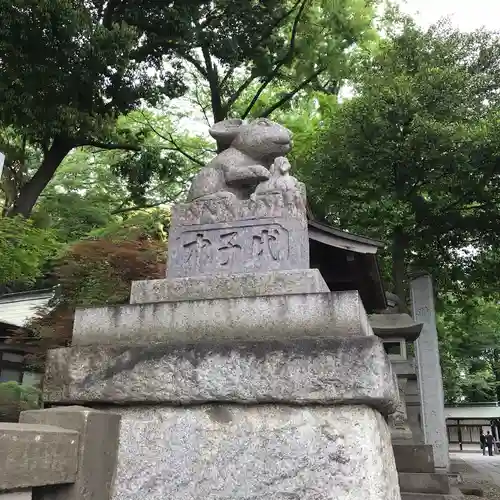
(467, 15)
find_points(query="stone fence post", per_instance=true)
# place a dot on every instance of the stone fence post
(60, 453)
(430, 380)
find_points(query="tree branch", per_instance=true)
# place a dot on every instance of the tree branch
(109, 146)
(281, 62)
(107, 18)
(213, 80)
(131, 209)
(173, 142)
(273, 26)
(238, 93)
(202, 107)
(197, 64)
(291, 95)
(180, 150)
(227, 76)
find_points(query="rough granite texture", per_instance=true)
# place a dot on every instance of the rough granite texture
(279, 317)
(239, 246)
(35, 455)
(16, 495)
(429, 370)
(398, 421)
(414, 410)
(228, 286)
(268, 452)
(97, 450)
(300, 372)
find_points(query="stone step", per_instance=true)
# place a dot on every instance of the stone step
(415, 482)
(414, 458)
(455, 494)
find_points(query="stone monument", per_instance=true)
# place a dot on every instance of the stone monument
(430, 383)
(240, 375)
(418, 474)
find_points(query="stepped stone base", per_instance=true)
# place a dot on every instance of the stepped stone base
(339, 371)
(228, 286)
(414, 458)
(268, 452)
(455, 494)
(416, 482)
(417, 475)
(274, 317)
(270, 397)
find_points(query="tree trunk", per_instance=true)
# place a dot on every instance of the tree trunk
(399, 247)
(30, 192)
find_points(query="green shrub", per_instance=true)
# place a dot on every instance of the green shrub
(24, 249)
(15, 398)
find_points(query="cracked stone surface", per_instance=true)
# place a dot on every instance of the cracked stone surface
(271, 452)
(348, 371)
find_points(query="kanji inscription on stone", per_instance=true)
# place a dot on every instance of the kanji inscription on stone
(237, 247)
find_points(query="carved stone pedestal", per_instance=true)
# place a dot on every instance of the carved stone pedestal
(239, 376)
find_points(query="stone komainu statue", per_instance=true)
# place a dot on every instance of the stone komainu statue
(251, 149)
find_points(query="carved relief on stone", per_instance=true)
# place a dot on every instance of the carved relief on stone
(215, 248)
(398, 421)
(281, 182)
(246, 213)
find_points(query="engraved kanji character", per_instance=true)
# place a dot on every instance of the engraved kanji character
(267, 243)
(196, 247)
(229, 248)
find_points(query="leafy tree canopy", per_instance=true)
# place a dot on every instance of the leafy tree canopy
(469, 334)
(98, 270)
(412, 157)
(24, 249)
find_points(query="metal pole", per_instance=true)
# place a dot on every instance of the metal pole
(459, 429)
(2, 158)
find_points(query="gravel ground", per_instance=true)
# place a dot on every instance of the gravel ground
(472, 479)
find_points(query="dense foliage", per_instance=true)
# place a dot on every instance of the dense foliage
(15, 398)
(24, 250)
(414, 153)
(469, 331)
(98, 271)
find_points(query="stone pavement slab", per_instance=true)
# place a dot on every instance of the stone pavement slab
(487, 466)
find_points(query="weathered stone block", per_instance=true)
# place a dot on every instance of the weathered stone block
(453, 495)
(395, 324)
(413, 482)
(228, 286)
(97, 450)
(404, 368)
(34, 455)
(300, 372)
(429, 370)
(414, 458)
(239, 246)
(16, 495)
(266, 452)
(279, 317)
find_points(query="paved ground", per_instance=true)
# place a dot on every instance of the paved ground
(489, 467)
(480, 475)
